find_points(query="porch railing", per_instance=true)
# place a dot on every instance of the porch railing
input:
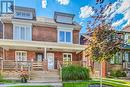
(11, 65)
(16, 65)
(79, 63)
(127, 64)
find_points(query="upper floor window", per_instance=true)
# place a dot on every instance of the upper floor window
(65, 36)
(65, 18)
(22, 14)
(127, 38)
(22, 32)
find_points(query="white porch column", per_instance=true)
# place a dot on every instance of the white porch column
(45, 55)
(2, 60)
(3, 54)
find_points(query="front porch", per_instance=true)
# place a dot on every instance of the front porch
(47, 53)
(39, 57)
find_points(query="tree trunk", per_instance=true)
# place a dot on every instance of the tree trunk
(101, 76)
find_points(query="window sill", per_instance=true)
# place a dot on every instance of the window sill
(66, 42)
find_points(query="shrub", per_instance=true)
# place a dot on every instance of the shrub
(75, 73)
(117, 73)
(112, 73)
(1, 78)
(124, 74)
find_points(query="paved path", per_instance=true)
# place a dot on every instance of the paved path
(34, 84)
(115, 82)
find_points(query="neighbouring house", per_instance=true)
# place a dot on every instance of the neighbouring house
(39, 42)
(120, 61)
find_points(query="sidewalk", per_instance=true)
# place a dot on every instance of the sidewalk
(114, 81)
(34, 84)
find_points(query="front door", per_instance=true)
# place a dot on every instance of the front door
(39, 57)
(50, 58)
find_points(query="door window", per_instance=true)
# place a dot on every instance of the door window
(50, 57)
(39, 57)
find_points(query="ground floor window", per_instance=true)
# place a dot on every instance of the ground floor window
(20, 55)
(127, 56)
(117, 58)
(67, 57)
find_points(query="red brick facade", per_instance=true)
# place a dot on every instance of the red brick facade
(10, 55)
(41, 33)
(76, 36)
(8, 31)
(47, 34)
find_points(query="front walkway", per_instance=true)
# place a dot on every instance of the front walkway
(116, 81)
(34, 84)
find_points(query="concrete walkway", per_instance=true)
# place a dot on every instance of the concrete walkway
(34, 84)
(114, 82)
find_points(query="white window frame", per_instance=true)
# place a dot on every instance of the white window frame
(67, 55)
(20, 52)
(126, 38)
(25, 26)
(65, 30)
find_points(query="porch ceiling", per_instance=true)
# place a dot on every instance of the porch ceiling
(39, 45)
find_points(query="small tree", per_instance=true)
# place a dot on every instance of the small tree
(103, 40)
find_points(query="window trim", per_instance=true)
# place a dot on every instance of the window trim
(65, 30)
(20, 52)
(126, 38)
(25, 26)
(67, 55)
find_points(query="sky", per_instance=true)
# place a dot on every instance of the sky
(82, 10)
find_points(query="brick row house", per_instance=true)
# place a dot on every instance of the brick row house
(26, 37)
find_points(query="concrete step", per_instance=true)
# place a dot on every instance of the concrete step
(44, 80)
(45, 76)
(53, 84)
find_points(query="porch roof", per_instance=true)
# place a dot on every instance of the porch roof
(39, 44)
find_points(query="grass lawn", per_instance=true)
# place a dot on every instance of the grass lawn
(112, 83)
(7, 81)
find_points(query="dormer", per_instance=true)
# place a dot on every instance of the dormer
(24, 13)
(63, 18)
